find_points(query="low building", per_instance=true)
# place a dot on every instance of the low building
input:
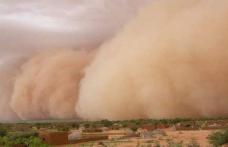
(74, 135)
(120, 134)
(143, 133)
(91, 138)
(53, 137)
(104, 129)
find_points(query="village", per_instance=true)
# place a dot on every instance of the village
(132, 133)
(145, 135)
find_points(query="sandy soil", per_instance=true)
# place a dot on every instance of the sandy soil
(200, 136)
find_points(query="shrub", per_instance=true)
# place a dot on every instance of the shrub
(157, 144)
(175, 144)
(3, 132)
(106, 123)
(16, 138)
(218, 138)
(87, 125)
(193, 143)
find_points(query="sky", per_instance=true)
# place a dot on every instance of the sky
(31, 25)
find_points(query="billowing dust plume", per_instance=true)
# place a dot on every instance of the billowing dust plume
(172, 61)
(36, 83)
(7, 77)
(47, 87)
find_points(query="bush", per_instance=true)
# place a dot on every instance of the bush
(193, 143)
(16, 138)
(106, 123)
(175, 144)
(3, 132)
(218, 138)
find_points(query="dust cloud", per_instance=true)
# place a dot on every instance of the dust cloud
(171, 61)
(47, 87)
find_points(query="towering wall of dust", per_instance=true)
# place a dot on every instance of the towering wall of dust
(36, 83)
(169, 62)
(7, 73)
(48, 85)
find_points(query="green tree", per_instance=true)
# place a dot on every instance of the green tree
(106, 123)
(3, 132)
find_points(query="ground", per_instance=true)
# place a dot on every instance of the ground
(186, 137)
(128, 133)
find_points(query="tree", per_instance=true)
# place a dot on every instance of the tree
(106, 123)
(3, 132)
